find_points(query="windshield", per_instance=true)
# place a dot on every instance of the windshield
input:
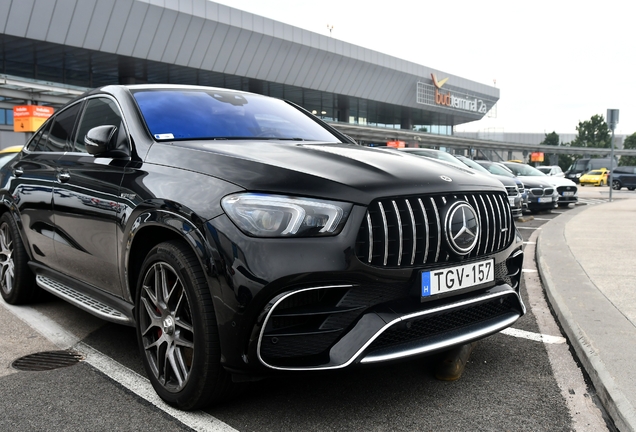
(185, 114)
(499, 170)
(545, 170)
(524, 170)
(595, 172)
(580, 165)
(474, 165)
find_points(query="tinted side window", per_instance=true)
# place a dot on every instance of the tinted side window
(60, 132)
(98, 112)
(41, 135)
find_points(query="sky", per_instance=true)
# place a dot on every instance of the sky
(556, 63)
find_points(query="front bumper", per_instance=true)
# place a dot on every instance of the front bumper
(332, 327)
(314, 304)
(389, 331)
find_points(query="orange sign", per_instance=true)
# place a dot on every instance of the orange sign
(28, 118)
(396, 144)
(536, 157)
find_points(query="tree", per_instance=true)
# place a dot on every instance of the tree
(592, 133)
(551, 139)
(629, 143)
(563, 160)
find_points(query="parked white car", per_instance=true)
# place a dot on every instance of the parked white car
(551, 170)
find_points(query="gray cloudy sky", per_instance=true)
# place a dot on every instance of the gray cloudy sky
(555, 62)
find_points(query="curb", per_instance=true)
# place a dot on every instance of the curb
(552, 256)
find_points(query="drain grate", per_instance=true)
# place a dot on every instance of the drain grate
(47, 360)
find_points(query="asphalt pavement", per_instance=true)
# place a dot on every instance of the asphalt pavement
(587, 261)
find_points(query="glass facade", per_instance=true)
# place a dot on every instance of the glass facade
(80, 67)
(6, 117)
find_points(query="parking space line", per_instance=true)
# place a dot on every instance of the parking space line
(530, 228)
(534, 336)
(51, 330)
(197, 420)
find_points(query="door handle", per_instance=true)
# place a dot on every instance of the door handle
(63, 177)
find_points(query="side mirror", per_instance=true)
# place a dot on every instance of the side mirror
(100, 139)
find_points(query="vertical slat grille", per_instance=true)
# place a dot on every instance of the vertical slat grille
(404, 232)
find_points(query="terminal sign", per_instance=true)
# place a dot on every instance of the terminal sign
(28, 118)
(452, 101)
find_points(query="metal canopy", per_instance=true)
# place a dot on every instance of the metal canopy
(23, 91)
(382, 135)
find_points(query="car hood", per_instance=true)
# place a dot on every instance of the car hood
(347, 172)
(535, 181)
(551, 180)
(507, 181)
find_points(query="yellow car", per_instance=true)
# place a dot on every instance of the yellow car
(595, 177)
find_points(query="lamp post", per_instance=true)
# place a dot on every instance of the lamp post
(612, 121)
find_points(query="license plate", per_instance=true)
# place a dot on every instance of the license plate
(456, 278)
(568, 193)
(545, 199)
(512, 201)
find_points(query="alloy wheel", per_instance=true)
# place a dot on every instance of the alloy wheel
(7, 266)
(166, 327)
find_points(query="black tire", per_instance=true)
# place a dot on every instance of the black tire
(17, 282)
(177, 330)
(602, 183)
(564, 204)
(631, 188)
(616, 185)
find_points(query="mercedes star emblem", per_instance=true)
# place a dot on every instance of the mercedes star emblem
(462, 228)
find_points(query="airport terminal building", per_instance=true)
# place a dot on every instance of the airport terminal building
(53, 50)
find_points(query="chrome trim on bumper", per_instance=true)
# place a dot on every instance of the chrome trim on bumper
(442, 344)
(483, 332)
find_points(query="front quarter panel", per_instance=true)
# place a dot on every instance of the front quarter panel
(176, 200)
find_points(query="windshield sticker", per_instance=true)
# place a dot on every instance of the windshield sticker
(164, 136)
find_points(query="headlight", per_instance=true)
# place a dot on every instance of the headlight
(578, 175)
(263, 215)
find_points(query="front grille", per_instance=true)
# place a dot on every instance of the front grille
(538, 192)
(408, 232)
(562, 189)
(512, 190)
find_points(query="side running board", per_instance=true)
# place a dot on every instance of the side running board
(82, 301)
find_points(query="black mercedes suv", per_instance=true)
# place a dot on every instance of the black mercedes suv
(242, 236)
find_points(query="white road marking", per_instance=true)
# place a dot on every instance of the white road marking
(528, 242)
(529, 271)
(530, 228)
(197, 420)
(534, 336)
